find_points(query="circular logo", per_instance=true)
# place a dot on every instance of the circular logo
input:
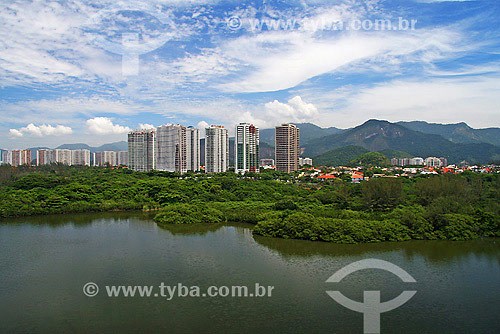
(90, 289)
(234, 23)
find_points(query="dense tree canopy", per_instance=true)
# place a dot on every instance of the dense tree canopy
(455, 207)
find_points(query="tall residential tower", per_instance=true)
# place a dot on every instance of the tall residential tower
(246, 147)
(141, 150)
(287, 148)
(216, 149)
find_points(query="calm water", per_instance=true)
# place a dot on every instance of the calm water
(45, 261)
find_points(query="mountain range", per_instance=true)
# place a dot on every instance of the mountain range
(457, 133)
(376, 135)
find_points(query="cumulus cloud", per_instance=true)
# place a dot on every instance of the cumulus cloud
(296, 110)
(202, 125)
(42, 130)
(104, 126)
(146, 126)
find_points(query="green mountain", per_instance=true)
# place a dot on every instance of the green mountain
(339, 156)
(375, 135)
(457, 133)
(308, 132)
(396, 154)
(371, 159)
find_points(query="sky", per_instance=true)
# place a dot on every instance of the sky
(90, 71)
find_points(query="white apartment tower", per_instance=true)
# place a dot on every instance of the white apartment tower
(141, 150)
(192, 149)
(80, 157)
(122, 158)
(246, 148)
(171, 150)
(105, 158)
(216, 149)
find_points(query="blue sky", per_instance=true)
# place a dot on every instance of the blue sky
(89, 71)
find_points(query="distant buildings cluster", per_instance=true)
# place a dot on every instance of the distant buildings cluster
(176, 148)
(429, 162)
(68, 157)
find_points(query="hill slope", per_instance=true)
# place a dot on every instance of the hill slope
(339, 156)
(457, 133)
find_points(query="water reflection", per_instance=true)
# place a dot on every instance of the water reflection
(191, 229)
(436, 251)
(78, 219)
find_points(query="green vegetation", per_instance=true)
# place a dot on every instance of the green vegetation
(371, 159)
(452, 207)
(339, 156)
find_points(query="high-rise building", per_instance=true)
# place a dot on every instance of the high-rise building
(171, 148)
(216, 149)
(43, 157)
(80, 157)
(141, 150)
(105, 158)
(63, 156)
(4, 157)
(287, 138)
(20, 157)
(122, 158)
(192, 149)
(246, 148)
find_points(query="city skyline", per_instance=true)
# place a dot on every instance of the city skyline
(60, 81)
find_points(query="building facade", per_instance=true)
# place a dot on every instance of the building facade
(122, 158)
(141, 150)
(80, 157)
(20, 157)
(246, 148)
(105, 158)
(192, 149)
(305, 161)
(287, 138)
(267, 162)
(171, 150)
(216, 149)
(433, 162)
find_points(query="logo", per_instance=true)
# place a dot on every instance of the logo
(135, 40)
(90, 289)
(371, 307)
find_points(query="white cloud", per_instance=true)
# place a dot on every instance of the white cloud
(104, 126)
(296, 110)
(475, 100)
(42, 130)
(15, 133)
(282, 60)
(202, 125)
(146, 126)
